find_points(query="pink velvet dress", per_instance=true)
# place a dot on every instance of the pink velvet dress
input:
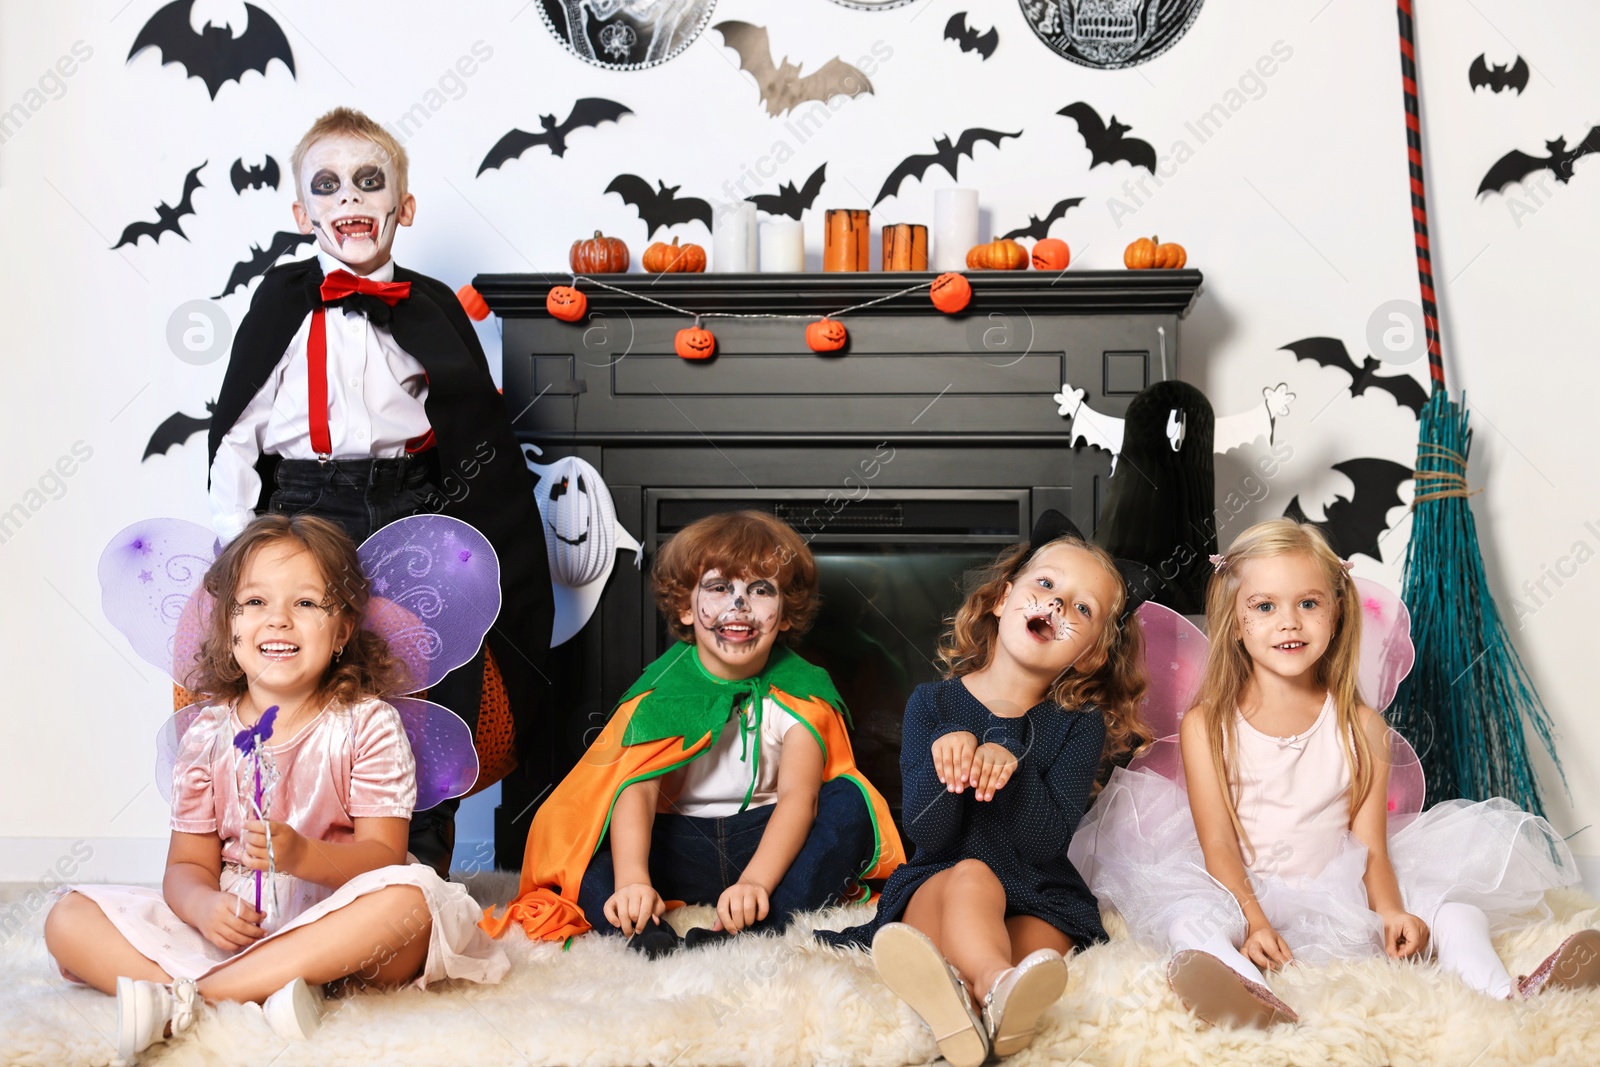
(349, 763)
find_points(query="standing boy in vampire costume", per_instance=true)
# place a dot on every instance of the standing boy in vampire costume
(357, 391)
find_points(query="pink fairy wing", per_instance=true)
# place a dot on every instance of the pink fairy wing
(447, 762)
(1175, 656)
(1408, 786)
(1163, 758)
(436, 592)
(169, 742)
(1387, 653)
(148, 573)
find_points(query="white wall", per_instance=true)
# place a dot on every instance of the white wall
(1296, 210)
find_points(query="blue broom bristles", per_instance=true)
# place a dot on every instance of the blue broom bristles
(1468, 702)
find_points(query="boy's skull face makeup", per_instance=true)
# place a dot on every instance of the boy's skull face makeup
(736, 621)
(349, 198)
(1056, 608)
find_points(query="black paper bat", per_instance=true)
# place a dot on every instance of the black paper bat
(781, 85)
(254, 177)
(791, 201)
(588, 111)
(659, 207)
(214, 55)
(1498, 79)
(175, 430)
(1330, 352)
(1038, 228)
(970, 39)
(168, 219)
(1516, 165)
(1106, 143)
(260, 259)
(1354, 524)
(945, 155)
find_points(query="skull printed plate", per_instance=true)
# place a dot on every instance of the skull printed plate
(1109, 34)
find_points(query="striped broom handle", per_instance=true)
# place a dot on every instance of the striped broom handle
(1419, 197)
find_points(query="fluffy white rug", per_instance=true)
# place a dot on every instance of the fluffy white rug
(791, 1001)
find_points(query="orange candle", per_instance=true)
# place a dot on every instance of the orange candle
(905, 247)
(847, 240)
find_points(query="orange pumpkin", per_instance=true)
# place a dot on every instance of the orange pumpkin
(1051, 254)
(826, 335)
(1001, 254)
(670, 259)
(950, 293)
(472, 303)
(1148, 253)
(692, 342)
(599, 255)
(566, 303)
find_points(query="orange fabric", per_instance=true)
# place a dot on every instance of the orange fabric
(496, 735)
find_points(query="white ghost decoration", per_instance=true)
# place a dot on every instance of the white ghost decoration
(581, 536)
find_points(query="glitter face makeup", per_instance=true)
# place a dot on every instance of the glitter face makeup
(736, 621)
(1285, 613)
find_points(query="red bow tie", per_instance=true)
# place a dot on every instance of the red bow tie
(341, 283)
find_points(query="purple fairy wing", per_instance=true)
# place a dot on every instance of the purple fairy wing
(149, 573)
(169, 745)
(435, 593)
(447, 762)
(1408, 786)
(1387, 653)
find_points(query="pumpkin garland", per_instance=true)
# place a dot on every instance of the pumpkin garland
(566, 303)
(826, 335)
(695, 342)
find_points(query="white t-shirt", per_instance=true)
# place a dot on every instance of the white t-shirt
(715, 785)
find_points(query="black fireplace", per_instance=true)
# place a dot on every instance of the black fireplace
(930, 443)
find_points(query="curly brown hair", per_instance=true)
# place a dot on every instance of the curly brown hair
(365, 668)
(740, 544)
(1111, 676)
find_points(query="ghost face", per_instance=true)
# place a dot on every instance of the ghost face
(1055, 610)
(736, 621)
(349, 198)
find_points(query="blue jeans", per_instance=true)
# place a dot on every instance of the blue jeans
(361, 495)
(694, 859)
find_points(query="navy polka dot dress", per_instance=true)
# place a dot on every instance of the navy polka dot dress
(1022, 834)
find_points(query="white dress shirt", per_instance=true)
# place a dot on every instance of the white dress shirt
(376, 393)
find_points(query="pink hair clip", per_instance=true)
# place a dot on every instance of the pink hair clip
(1218, 561)
(1348, 565)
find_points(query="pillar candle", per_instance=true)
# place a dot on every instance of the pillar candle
(955, 227)
(783, 245)
(905, 247)
(847, 240)
(733, 238)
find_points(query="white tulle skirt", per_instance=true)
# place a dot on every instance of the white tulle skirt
(1137, 850)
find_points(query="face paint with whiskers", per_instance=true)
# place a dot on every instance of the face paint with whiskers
(734, 612)
(1047, 618)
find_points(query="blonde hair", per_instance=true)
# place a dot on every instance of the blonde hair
(1110, 676)
(347, 120)
(1229, 666)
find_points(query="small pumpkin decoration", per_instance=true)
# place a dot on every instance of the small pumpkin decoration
(662, 258)
(566, 303)
(1001, 254)
(1052, 253)
(693, 342)
(472, 303)
(599, 255)
(826, 335)
(1148, 253)
(950, 293)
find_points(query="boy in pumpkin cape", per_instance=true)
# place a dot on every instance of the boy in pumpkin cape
(357, 391)
(724, 776)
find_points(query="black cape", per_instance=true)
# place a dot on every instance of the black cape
(481, 471)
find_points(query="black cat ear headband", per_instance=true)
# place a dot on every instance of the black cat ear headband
(1141, 580)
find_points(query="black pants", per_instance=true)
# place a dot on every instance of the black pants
(363, 496)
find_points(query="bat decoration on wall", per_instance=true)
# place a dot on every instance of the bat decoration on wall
(945, 155)
(791, 201)
(175, 430)
(782, 87)
(1095, 428)
(282, 243)
(1355, 523)
(168, 219)
(660, 207)
(1330, 352)
(969, 39)
(586, 112)
(1516, 165)
(1038, 228)
(1498, 79)
(254, 177)
(1106, 143)
(214, 55)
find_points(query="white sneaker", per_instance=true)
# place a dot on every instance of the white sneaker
(148, 1012)
(911, 965)
(295, 1011)
(1013, 1005)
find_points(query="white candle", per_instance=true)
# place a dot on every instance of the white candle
(733, 238)
(955, 227)
(783, 246)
